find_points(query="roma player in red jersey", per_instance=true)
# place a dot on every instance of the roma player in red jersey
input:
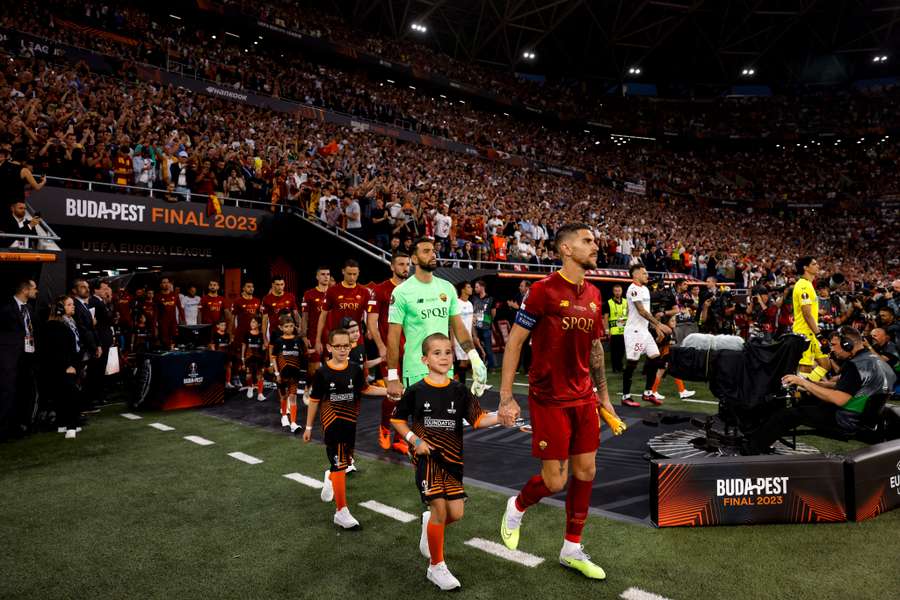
(147, 307)
(124, 301)
(377, 321)
(567, 391)
(276, 301)
(311, 308)
(170, 313)
(212, 304)
(346, 299)
(242, 310)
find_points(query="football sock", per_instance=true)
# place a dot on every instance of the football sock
(655, 385)
(817, 374)
(339, 483)
(259, 385)
(680, 385)
(532, 493)
(436, 542)
(461, 373)
(650, 381)
(284, 405)
(293, 409)
(227, 373)
(578, 499)
(626, 376)
(387, 409)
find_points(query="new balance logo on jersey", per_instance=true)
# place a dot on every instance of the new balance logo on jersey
(452, 409)
(427, 407)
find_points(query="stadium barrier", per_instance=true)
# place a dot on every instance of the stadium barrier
(747, 491)
(775, 489)
(873, 480)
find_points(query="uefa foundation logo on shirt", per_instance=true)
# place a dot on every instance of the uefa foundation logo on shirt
(193, 375)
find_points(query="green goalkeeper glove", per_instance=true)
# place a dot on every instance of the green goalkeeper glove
(479, 373)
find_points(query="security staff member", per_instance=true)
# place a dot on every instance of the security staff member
(616, 317)
(863, 375)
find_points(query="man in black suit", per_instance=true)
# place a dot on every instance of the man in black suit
(87, 331)
(103, 325)
(17, 348)
(16, 220)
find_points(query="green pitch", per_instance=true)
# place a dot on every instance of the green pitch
(127, 511)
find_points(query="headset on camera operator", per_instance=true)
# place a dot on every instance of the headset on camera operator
(840, 403)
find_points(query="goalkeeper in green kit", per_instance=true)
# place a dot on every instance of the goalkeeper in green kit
(422, 305)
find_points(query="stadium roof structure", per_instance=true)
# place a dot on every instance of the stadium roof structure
(784, 42)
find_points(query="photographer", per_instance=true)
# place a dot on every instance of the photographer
(879, 343)
(829, 312)
(763, 312)
(717, 315)
(887, 320)
(841, 403)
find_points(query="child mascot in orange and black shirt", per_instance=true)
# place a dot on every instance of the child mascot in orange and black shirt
(436, 407)
(337, 388)
(289, 364)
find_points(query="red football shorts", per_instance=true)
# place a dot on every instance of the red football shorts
(558, 433)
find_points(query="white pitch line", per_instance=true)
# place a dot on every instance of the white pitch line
(199, 440)
(307, 481)
(634, 593)
(516, 556)
(161, 427)
(250, 460)
(700, 401)
(132, 416)
(522, 384)
(388, 511)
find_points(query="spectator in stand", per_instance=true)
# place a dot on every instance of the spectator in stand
(380, 225)
(235, 186)
(144, 172)
(442, 224)
(352, 215)
(206, 182)
(182, 176)
(17, 222)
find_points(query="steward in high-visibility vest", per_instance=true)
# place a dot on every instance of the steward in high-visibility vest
(618, 315)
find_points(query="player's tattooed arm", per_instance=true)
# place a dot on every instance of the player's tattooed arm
(462, 336)
(598, 368)
(646, 314)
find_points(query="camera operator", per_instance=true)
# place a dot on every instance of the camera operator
(829, 312)
(763, 311)
(887, 320)
(841, 403)
(717, 315)
(686, 315)
(884, 348)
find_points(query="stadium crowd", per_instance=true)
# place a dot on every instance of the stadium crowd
(67, 122)
(266, 69)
